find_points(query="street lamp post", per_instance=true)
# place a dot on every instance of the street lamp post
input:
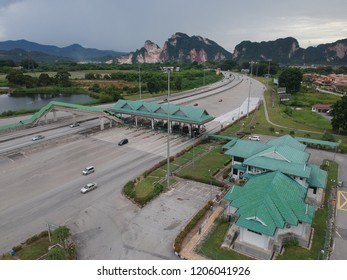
(209, 171)
(249, 89)
(168, 70)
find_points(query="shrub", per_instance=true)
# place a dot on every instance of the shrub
(271, 129)
(129, 189)
(32, 239)
(292, 133)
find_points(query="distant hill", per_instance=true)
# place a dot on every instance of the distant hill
(180, 47)
(73, 52)
(288, 51)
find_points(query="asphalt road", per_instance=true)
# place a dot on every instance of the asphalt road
(42, 186)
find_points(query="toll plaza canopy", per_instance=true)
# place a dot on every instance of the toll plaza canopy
(185, 120)
(154, 110)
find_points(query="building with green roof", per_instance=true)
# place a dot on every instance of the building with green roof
(284, 154)
(280, 192)
(270, 208)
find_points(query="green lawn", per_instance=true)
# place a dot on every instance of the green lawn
(211, 247)
(212, 161)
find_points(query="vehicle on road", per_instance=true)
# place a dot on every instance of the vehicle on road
(89, 187)
(196, 104)
(38, 137)
(75, 124)
(254, 138)
(88, 170)
(123, 142)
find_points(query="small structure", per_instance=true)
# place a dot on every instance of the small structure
(321, 108)
(282, 94)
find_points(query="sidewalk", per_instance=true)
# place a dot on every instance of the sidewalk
(188, 252)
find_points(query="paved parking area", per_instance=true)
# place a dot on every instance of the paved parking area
(128, 232)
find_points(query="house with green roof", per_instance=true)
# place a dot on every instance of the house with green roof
(284, 154)
(270, 209)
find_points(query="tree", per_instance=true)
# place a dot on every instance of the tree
(57, 253)
(29, 64)
(339, 113)
(62, 78)
(291, 79)
(62, 233)
(178, 83)
(153, 85)
(45, 79)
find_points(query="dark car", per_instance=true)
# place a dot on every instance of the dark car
(123, 142)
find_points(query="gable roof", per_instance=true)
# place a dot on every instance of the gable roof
(270, 201)
(246, 148)
(318, 177)
(187, 114)
(290, 168)
(287, 140)
(284, 153)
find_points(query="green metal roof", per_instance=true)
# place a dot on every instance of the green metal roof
(231, 143)
(239, 166)
(284, 153)
(269, 201)
(186, 114)
(290, 168)
(318, 177)
(246, 149)
(287, 140)
(318, 142)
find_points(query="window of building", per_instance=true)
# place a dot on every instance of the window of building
(238, 159)
(255, 232)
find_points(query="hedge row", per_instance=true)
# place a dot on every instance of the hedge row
(30, 240)
(193, 222)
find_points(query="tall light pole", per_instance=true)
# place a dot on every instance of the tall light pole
(168, 70)
(249, 89)
(140, 88)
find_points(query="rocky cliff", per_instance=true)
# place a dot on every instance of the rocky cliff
(288, 51)
(180, 47)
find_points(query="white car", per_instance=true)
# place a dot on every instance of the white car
(89, 187)
(38, 137)
(75, 124)
(254, 138)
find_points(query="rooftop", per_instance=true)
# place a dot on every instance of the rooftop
(187, 114)
(270, 201)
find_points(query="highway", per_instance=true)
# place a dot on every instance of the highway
(41, 182)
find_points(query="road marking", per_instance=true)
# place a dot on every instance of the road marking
(338, 234)
(341, 200)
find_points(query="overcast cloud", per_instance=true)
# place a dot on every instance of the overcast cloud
(125, 25)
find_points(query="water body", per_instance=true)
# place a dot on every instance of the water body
(9, 102)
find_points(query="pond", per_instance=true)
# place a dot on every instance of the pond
(9, 102)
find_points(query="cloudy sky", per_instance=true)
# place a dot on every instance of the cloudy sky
(124, 25)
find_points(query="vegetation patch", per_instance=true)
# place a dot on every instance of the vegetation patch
(39, 247)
